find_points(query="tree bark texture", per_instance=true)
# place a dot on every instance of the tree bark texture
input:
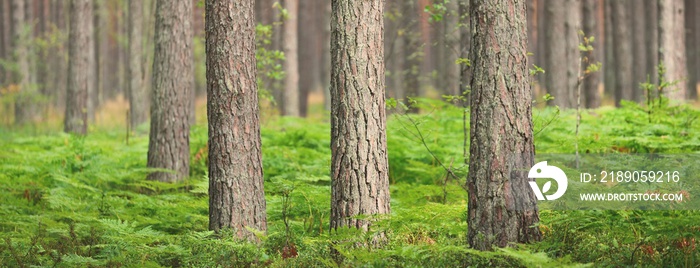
(502, 208)
(138, 97)
(622, 48)
(236, 194)
(672, 52)
(78, 62)
(359, 163)
(290, 101)
(590, 28)
(169, 141)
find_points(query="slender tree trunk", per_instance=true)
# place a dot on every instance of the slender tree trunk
(609, 65)
(169, 143)
(562, 42)
(326, 55)
(308, 52)
(672, 47)
(639, 50)
(138, 99)
(450, 75)
(3, 37)
(413, 54)
(465, 46)
(94, 95)
(236, 194)
(502, 208)
(542, 52)
(359, 163)
(651, 27)
(693, 46)
(290, 102)
(19, 38)
(79, 37)
(590, 28)
(622, 49)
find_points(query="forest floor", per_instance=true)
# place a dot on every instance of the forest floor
(84, 202)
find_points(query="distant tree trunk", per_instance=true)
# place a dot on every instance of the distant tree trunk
(308, 53)
(450, 50)
(609, 65)
(562, 42)
(79, 37)
(622, 49)
(4, 26)
(693, 46)
(138, 97)
(502, 208)
(94, 96)
(359, 163)
(651, 27)
(290, 101)
(413, 54)
(590, 28)
(23, 109)
(326, 55)
(639, 50)
(44, 55)
(672, 47)
(59, 76)
(465, 45)
(543, 23)
(169, 143)
(236, 194)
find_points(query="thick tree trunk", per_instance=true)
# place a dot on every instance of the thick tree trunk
(138, 97)
(79, 37)
(672, 47)
(290, 101)
(590, 28)
(622, 48)
(502, 208)
(236, 194)
(169, 143)
(21, 77)
(359, 163)
(562, 44)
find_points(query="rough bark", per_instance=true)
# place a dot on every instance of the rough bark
(236, 194)
(501, 208)
(138, 97)
(590, 28)
(562, 42)
(78, 62)
(672, 52)
(290, 101)
(622, 48)
(359, 163)
(169, 141)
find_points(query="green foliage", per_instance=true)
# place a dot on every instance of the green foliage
(84, 201)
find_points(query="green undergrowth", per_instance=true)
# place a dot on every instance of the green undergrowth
(83, 202)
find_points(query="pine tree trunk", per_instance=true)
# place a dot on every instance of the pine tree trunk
(4, 37)
(168, 146)
(672, 47)
(693, 46)
(639, 50)
(502, 208)
(290, 101)
(359, 163)
(78, 62)
(21, 77)
(308, 53)
(326, 56)
(622, 48)
(450, 50)
(465, 37)
(94, 96)
(236, 194)
(562, 45)
(138, 97)
(590, 28)
(651, 27)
